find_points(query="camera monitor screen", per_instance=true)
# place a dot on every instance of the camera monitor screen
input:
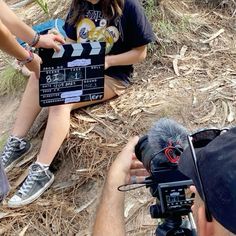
(175, 196)
(74, 74)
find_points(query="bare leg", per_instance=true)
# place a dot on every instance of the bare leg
(29, 108)
(58, 126)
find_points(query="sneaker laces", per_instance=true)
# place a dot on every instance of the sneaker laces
(32, 177)
(12, 144)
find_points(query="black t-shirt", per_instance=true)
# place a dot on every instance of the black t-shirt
(122, 34)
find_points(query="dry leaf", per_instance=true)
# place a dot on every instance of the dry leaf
(3, 215)
(231, 115)
(27, 159)
(83, 135)
(208, 116)
(106, 116)
(83, 170)
(214, 85)
(213, 36)
(135, 112)
(154, 104)
(175, 66)
(5, 229)
(78, 210)
(85, 118)
(22, 233)
(112, 144)
(113, 106)
(225, 108)
(194, 100)
(183, 51)
(80, 135)
(172, 84)
(128, 208)
(63, 185)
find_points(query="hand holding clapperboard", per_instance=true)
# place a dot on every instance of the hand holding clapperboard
(75, 74)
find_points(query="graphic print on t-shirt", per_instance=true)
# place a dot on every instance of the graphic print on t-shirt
(94, 28)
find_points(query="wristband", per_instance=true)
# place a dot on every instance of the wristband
(27, 60)
(35, 40)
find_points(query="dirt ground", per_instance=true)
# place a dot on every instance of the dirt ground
(8, 107)
(189, 76)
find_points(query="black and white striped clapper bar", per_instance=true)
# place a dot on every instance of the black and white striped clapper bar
(74, 74)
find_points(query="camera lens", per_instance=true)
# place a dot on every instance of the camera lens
(144, 152)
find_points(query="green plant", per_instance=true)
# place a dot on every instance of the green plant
(43, 4)
(11, 81)
(3, 139)
(150, 9)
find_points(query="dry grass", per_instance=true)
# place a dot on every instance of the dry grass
(11, 81)
(193, 82)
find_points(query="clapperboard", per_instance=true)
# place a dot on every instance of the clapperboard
(75, 74)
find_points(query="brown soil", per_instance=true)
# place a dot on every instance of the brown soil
(189, 76)
(9, 106)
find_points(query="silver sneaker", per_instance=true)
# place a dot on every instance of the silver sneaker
(38, 181)
(14, 151)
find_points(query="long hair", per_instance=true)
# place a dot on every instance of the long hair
(110, 9)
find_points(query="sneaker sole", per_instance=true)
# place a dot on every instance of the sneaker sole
(33, 197)
(12, 165)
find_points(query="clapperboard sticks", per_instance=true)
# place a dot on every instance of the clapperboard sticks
(94, 48)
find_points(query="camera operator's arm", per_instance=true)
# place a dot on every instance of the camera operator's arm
(110, 214)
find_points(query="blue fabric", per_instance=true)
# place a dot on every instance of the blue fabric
(43, 28)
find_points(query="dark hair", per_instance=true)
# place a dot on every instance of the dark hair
(110, 9)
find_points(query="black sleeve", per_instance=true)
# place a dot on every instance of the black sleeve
(140, 30)
(70, 30)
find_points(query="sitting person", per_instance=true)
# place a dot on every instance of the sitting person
(126, 30)
(217, 166)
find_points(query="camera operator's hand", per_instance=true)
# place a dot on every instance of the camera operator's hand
(111, 208)
(127, 165)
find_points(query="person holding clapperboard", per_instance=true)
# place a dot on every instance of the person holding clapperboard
(11, 24)
(124, 27)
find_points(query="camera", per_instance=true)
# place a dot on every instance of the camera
(159, 151)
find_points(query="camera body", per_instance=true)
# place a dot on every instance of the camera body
(168, 185)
